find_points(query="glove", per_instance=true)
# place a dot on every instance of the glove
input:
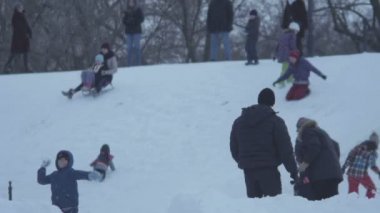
(294, 178)
(343, 170)
(274, 84)
(302, 167)
(45, 163)
(324, 77)
(95, 176)
(105, 72)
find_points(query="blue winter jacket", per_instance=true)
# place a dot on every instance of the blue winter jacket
(300, 71)
(64, 187)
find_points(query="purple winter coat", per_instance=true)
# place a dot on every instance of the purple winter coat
(300, 71)
(286, 43)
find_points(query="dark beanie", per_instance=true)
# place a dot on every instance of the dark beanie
(253, 13)
(266, 97)
(106, 46)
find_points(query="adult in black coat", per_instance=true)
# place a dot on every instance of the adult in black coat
(133, 18)
(20, 38)
(253, 31)
(259, 143)
(318, 158)
(296, 12)
(220, 18)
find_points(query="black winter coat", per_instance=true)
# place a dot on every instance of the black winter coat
(299, 14)
(260, 139)
(21, 33)
(133, 18)
(253, 29)
(296, 12)
(220, 16)
(315, 147)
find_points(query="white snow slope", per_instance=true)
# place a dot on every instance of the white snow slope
(168, 127)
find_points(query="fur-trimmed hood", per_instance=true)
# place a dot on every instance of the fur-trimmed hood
(304, 123)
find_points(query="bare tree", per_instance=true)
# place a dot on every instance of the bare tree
(67, 34)
(359, 20)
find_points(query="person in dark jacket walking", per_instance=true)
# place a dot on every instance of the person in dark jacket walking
(64, 187)
(220, 17)
(360, 159)
(300, 68)
(20, 38)
(318, 160)
(253, 31)
(133, 18)
(295, 11)
(103, 161)
(259, 143)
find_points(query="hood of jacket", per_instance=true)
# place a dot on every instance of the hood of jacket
(70, 156)
(256, 114)
(304, 123)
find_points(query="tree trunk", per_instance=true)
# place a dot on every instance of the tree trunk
(310, 35)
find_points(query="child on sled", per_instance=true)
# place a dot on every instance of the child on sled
(91, 79)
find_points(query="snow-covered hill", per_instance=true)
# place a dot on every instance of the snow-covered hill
(168, 127)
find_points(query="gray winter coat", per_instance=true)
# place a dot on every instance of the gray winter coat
(260, 139)
(315, 147)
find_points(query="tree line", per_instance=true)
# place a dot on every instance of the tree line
(67, 34)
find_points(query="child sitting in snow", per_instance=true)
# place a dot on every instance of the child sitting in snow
(103, 161)
(89, 77)
(300, 68)
(360, 158)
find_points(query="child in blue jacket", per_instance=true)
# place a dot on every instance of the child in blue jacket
(64, 187)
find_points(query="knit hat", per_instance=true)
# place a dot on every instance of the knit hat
(99, 58)
(374, 137)
(253, 12)
(295, 54)
(266, 97)
(106, 46)
(294, 26)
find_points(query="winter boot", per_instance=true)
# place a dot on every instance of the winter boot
(69, 94)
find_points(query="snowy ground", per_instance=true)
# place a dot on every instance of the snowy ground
(168, 127)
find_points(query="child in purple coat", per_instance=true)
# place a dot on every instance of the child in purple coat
(286, 43)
